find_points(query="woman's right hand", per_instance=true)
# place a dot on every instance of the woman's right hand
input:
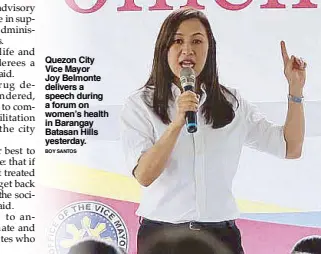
(187, 101)
(153, 162)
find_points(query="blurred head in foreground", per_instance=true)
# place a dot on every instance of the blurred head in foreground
(95, 247)
(184, 241)
(308, 245)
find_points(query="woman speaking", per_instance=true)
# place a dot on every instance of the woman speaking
(186, 178)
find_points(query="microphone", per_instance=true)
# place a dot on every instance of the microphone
(187, 78)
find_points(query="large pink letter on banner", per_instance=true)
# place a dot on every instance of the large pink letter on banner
(305, 4)
(272, 4)
(194, 4)
(160, 5)
(129, 6)
(233, 7)
(72, 4)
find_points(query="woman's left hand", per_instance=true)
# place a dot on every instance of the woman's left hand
(294, 71)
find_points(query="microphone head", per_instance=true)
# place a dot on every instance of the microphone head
(187, 77)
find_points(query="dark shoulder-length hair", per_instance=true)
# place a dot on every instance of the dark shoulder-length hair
(217, 110)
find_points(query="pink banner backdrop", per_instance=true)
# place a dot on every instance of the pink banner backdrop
(130, 5)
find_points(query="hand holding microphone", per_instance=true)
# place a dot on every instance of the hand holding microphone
(188, 101)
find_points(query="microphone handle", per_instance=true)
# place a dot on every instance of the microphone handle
(191, 121)
(191, 117)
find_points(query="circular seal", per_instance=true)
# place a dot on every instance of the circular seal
(79, 220)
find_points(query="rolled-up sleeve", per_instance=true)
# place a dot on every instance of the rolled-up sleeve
(136, 132)
(262, 134)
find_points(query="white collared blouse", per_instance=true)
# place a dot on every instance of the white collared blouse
(196, 184)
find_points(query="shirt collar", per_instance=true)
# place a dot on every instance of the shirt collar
(176, 92)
